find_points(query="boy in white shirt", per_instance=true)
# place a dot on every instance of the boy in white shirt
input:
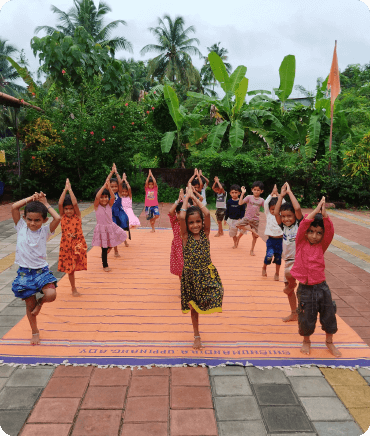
(33, 274)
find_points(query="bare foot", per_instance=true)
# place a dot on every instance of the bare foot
(107, 269)
(116, 254)
(217, 235)
(152, 231)
(126, 244)
(264, 272)
(235, 246)
(292, 317)
(306, 347)
(197, 344)
(276, 277)
(75, 293)
(252, 253)
(333, 349)
(37, 309)
(35, 339)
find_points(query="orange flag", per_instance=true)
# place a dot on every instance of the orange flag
(334, 81)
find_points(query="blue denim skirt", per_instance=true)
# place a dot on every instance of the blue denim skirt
(30, 281)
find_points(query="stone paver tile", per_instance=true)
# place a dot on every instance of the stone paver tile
(312, 387)
(325, 409)
(191, 397)
(190, 376)
(367, 379)
(328, 428)
(231, 385)
(362, 417)
(227, 370)
(11, 320)
(104, 397)
(54, 410)
(354, 396)
(147, 409)
(286, 419)
(154, 385)
(236, 408)
(193, 422)
(6, 371)
(11, 421)
(19, 398)
(66, 387)
(269, 376)
(30, 377)
(364, 372)
(110, 377)
(314, 371)
(343, 377)
(46, 430)
(275, 395)
(4, 331)
(73, 371)
(13, 311)
(153, 371)
(145, 429)
(97, 423)
(242, 428)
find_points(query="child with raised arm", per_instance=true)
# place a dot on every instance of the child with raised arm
(151, 200)
(234, 213)
(176, 257)
(221, 196)
(201, 287)
(126, 197)
(106, 233)
(33, 274)
(289, 216)
(274, 243)
(200, 183)
(314, 236)
(251, 218)
(73, 247)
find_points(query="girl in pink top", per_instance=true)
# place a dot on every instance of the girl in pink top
(151, 200)
(126, 197)
(176, 258)
(314, 236)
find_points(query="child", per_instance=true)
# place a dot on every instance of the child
(234, 213)
(313, 238)
(106, 233)
(289, 216)
(200, 183)
(251, 219)
(176, 258)
(33, 274)
(221, 196)
(73, 248)
(201, 287)
(274, 243)
(151, 200)
(119, 216)
(126, 197)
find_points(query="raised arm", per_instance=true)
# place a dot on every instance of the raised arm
(118, 177)
(172, 211)
(278, 204)
(73, 199)
(193, 176)
(99, 193)
(218, 185)
(112, 197)
(202, 175)
(124, 179)
(317, 210)
(206, 214)
(154, 180)
(147, 179)
(182, 216)
(196, 194)
(329, 229)
(61, 199)
(294, 201)
(242, 195)
(56, 218)
(16, 214)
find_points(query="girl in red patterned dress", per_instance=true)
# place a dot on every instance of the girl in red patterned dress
(73, 248)
(176, 259)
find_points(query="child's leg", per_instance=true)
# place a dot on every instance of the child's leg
(220, 229)
(268, 257)
(152, 223)
(307, 315)
(104, 257)
(30, 306)
(195, 320)
(293, 307)
(306, 345)
(277, 271)
(254, 240)
(328, 319)
(331, 347)
(50, 294)
(116, 254)
(72, 281)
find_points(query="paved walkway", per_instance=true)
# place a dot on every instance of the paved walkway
(225, 401)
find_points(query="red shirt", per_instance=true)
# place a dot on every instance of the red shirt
(309, 264)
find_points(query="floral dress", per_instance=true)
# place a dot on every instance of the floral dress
(201, 285)
(107, 233)
(73, 248)
(176, 258)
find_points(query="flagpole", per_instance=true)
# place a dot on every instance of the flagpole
(331, 115)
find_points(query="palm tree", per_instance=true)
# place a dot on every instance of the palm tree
(85, 14)
(175, 47)
(208, 78)
(7, 72)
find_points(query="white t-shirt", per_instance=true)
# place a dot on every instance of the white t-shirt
(290, 234)
(272, 227)
(31, 245)
(203, 194)
(221, 200)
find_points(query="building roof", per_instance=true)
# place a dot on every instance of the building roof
(9, 100)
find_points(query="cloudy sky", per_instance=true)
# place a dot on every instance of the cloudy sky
(257, 33)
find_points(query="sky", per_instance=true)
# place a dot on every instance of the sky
(256, 33)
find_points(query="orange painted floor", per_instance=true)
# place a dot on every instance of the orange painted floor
(132, 315)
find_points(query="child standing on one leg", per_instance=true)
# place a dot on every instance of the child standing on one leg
(119, 216)
(251, 219)
(126, 197)
(73, 248)
(176, 258)
(274, 243)
(221, 196)
(201, 287)
(289, 217)
(106, 233)
(314, 297)
(33, 274)
(151, 200)
(234, 213)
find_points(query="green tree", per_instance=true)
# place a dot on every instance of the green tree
(8, 74)
(85, 14)
(175, 47)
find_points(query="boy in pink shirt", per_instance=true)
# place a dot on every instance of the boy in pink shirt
(314, 236)
(151, 200)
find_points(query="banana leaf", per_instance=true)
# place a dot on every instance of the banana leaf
(216, 134)
(23, 72)
(258, 91)
(167, 141)
(287, 75)
(236, 135)
(240, 93)
(236, 78)
(219, 70)
(173, 106)
(313, 137)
